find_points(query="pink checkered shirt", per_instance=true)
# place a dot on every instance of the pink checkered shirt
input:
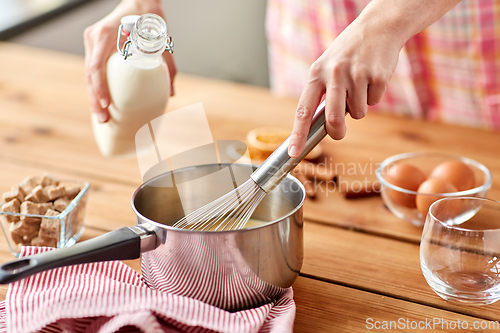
(449, 72)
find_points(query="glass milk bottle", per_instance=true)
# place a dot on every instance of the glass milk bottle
(139, 84)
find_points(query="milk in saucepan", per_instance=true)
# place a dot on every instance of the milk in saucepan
(139, 86)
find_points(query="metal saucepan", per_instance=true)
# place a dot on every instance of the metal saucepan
(233, 270)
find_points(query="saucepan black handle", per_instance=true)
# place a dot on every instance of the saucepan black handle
(121, 244)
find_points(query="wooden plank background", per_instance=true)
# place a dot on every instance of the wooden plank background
(360, 260)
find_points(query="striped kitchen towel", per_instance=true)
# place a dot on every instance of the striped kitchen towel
(110, 296)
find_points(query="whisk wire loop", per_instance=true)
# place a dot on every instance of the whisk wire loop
(230, 212)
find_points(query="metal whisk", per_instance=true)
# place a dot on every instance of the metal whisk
(229, 212)
(233, 210)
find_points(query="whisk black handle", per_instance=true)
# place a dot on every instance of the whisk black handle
(279, 164)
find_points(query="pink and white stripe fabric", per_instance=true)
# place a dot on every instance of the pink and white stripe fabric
(449, 72)
(231, 284)
(110, 296)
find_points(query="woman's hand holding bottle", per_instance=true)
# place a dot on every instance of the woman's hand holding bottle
(100, 44)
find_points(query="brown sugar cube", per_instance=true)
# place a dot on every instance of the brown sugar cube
(49, 228)
(54, 192)
(48, 179)
(29, 236)
(43, 207)
(61, 203)
(72, 190)
(51, 212)
(37, 241)
(11, 207)
(29, 207)
(16, 238)
(19, 188)
(39, 194)
(30, 197)
(20, 229)
(15, 193)
(30, 183)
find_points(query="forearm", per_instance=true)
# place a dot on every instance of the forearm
(403, 18)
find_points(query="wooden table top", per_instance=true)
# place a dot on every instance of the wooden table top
(360, 261)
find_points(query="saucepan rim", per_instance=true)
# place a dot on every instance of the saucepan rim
(264, 225)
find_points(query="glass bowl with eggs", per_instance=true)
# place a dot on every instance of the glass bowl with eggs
(411, 182)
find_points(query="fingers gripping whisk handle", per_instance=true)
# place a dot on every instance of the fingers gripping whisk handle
(279, 164)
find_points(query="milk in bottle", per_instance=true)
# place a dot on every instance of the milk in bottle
(139, 85)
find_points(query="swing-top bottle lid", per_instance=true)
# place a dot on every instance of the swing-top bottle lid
(128, 23)
(149, 34)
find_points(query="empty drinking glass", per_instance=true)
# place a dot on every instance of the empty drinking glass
(460, 249)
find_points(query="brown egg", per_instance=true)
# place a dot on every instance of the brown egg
(432, 185)
(405, 176)
(457, 173)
